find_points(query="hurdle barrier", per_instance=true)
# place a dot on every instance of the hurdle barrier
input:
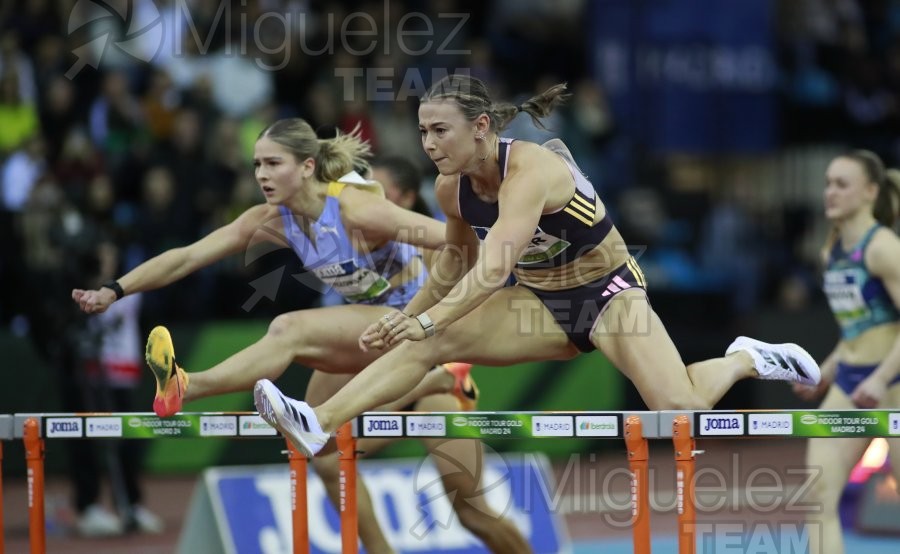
(634, 428)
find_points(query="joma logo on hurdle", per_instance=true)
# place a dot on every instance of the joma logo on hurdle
(383, 426)
(722, 424)
(64, 427)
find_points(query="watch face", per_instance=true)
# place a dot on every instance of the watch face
(426, 324)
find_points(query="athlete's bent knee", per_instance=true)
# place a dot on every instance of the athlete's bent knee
(293, 333)
(282, 325)
(425, 353)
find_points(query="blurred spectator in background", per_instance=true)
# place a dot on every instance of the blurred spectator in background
(160, 105)
(58, 114)
(15, 62)
(397, 130)
(76, 165)
(589, 127)
(18, 116)
(154, 144)
(21, 172)
(116, 119)
(109, 366)
(402, 182)
(731, 251)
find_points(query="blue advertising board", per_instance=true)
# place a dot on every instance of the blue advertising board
(252, 513)
(689, 75)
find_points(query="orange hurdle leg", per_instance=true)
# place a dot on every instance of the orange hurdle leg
(34, 460)
(299, 510)
(346, 444)
(684, 484)
(638, 455)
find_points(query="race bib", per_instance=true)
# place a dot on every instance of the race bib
(844, 295)
(543, 246)
(354, 283)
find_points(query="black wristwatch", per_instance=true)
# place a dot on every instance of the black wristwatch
(115, 287)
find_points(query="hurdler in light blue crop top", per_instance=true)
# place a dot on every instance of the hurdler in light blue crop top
(359, 278)
(858, 300)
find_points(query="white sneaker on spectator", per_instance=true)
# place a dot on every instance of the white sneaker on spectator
(146, 521)
(97, 521)
(779, 362)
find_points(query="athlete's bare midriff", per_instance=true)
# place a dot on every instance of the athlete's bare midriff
(872, 346)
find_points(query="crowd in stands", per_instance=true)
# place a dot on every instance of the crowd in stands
(138, 127)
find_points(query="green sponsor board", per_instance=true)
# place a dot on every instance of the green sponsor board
(180, 426)
(486, 425)
(799, 424)
(855, 423)
(148, 426)
(525, 425)
(512, 426)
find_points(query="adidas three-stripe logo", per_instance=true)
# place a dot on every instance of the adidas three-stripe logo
(298, 417)
(786, 363)
(618, 285)
(582, 208)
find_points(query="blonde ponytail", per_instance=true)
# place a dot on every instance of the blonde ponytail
(335, 157)
(344, 153)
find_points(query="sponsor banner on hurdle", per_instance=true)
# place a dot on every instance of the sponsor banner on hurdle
(477, 425)
(797, 423)
(853, 423)
(250, 507)
(149, 426)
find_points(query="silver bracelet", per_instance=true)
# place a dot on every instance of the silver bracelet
(426, 324)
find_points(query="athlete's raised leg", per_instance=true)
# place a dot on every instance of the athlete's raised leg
(324, 338)
(634, 339)
(509, 327)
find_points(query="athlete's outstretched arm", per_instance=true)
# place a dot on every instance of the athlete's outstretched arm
(380, 220)
(449, 266)
(521, 202)
(452, 261)
(175, 264)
